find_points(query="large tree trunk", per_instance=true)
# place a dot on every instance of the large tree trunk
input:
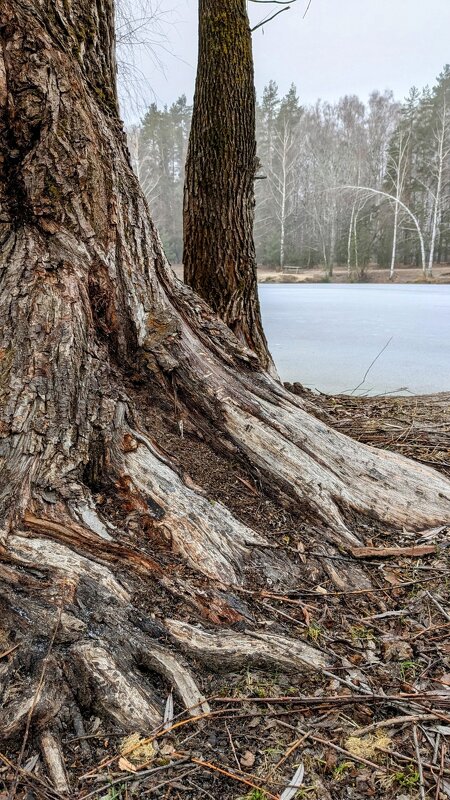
(219, 254)
(121, 394)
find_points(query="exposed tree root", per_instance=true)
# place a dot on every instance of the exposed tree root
(229, 647)
(54, 760)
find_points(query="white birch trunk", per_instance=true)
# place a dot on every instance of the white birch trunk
(442, 155)
(283, 205)
(404, 207)
(355, 238)
(349, 241)
(394, 239)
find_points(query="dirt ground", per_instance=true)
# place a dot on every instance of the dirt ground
(375, 725)
(441, 274)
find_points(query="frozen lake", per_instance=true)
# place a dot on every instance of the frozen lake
(326, 335)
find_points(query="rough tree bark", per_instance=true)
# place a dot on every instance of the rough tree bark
(219, 254)
(100, 347)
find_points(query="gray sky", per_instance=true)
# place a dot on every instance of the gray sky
(341, 47)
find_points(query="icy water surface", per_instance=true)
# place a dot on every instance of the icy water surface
(326, 336)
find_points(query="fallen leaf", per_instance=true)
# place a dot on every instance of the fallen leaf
(168, 712)
(296, 782)
(125, 765)
(167, 749)
(397, 650)
(248, 759)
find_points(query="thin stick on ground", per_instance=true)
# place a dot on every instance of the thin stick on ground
(232, 746)
(156, 735)
(441, 771)
(438, 606)
(387, 723)
(33, 705)
(419, 764)
(133, 776)
(425, 765)
(32, 780)
(233, 776)
(288, 753)
(8, 652)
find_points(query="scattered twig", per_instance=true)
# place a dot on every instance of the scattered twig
(232, 746)
(324, 700)
(171, 782)
(33, 705)
(441, 770)
(388, 723)
(347, 753)
(201, 789)
(289, 752)
(419, 764)
(346, 593)
(438, 606)
(394, 552)
(155, 735)
(31, 780)
(402, 757)
(132, 776)
(429, 630)
(8, 652)
(215, 768)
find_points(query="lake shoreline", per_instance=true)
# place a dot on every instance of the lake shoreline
(408, 275)
(413, 275)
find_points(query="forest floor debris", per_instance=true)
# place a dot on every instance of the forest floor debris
(375, 724)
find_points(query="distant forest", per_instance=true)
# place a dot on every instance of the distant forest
(309, 210)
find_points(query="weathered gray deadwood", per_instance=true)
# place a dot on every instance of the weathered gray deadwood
(93, 326)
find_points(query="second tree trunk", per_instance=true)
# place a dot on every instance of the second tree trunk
(219, 254)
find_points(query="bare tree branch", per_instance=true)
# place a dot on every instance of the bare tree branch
(140, 28)
(269, 19)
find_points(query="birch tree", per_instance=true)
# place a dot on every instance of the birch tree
(396, 174)
(442, 140)
(282, 165)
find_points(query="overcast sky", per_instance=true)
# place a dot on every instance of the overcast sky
(340, 47)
